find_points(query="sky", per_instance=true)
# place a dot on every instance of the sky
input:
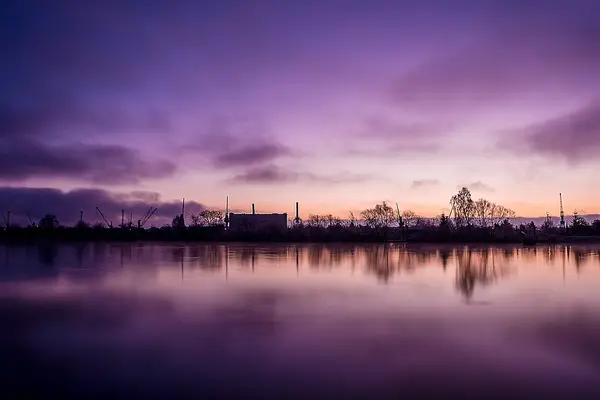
(335, 104)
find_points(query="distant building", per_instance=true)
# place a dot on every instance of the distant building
(258, 222)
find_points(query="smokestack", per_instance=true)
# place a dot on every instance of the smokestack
(297, 213)
(226, 220)
(252, 208)
(183, 208)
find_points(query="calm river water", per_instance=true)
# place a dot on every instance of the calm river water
(265, 321)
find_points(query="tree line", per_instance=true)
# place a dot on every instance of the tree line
(468, 220)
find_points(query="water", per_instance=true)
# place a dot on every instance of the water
(282, 320)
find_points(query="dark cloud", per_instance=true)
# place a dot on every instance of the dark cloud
(272, 174)
(26, 134)
(477, 186)
(424, 183)
(66, 205)
(251, 154)
(235, 144)
(67, 115)
(104, 164)
(574, 137)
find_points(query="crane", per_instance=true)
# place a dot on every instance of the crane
(149, 214)
(30, 220)
(108, 223)
(399, 216)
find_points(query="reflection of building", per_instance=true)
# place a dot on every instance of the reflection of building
(257, 222)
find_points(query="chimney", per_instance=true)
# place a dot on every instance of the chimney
(297, 214)
(253, 208)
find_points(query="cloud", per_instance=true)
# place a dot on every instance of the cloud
(66, 205)
(272, 174)
(102, 164)
(477, 186)
(59, 114)
(389, 129)
(234, 144)
(251, 155)
(386, 137)
(515, 61)
(574, 137)
(424, 183)
(26, 134)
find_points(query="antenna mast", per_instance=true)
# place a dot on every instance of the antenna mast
(562, 215)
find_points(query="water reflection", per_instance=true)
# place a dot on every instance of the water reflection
(479, 267)
(273, 321)
(474, 266)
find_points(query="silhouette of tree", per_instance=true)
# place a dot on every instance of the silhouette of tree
(578, 224)
(411, 218)
(596, 226)
(487, 213)
(352, 220)
(48, 221)
(178, 222)
(82, 225)
(323, 221)
(464, 208)
(547, 226)
(382, 215)
(444, 224)
(207, 218)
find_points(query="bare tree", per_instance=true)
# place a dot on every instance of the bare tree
(483, 210)
(323, 221)
(382, 215)
(488, 214)
(411, 218)
(207, 218)
(352, 219)
(464, 207)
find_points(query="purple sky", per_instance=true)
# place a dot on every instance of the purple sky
(336, 104)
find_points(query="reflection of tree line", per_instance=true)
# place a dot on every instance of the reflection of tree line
(474, 266)
(479, 267)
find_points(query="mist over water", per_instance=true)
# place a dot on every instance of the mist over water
(309, 320)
